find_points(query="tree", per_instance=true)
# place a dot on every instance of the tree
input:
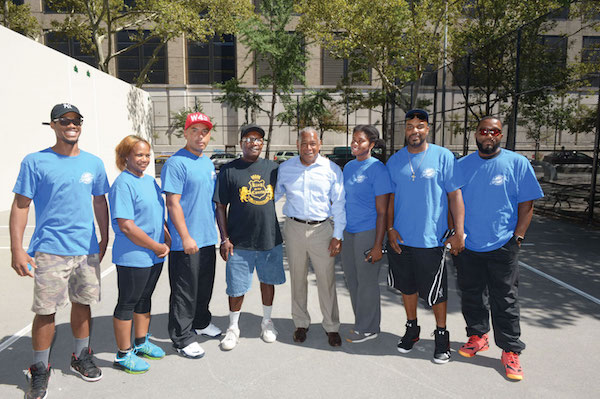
(316, 109)
(236, 97)
(267, 37)
(398, 39)
(497, 34)
(95, 22)
(19, 19)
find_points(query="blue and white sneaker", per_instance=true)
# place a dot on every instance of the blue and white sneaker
(131, 363)
(149, 350)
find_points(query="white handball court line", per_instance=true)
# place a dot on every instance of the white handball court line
(27, 329)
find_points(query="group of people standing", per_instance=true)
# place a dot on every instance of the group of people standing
(428, 204)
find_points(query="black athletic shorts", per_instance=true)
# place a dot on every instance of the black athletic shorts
(419, 270)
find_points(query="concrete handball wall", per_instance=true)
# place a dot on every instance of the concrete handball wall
(33, 78)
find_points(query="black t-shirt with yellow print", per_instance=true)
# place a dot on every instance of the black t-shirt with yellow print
(249, 190)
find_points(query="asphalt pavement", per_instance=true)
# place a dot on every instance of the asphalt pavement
(560, 328)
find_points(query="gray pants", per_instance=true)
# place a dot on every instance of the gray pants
(362, 279)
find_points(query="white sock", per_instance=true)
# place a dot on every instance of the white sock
(234, 318)
(267, 312)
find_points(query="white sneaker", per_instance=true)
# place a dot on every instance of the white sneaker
(232, 337)
(192, 351)
(211, 331)
(269, 333)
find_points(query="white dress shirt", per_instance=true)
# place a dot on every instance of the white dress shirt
(314, 192)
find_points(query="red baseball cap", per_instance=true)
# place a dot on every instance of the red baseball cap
(197, 117)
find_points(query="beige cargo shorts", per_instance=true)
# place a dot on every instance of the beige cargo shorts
(57, 275)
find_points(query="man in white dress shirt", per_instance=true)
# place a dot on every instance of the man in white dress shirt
(315, 200)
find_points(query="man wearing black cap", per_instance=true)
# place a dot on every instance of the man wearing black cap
(64, 254)
(250, 235)
(426, 184)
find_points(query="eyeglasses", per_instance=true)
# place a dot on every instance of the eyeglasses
(416, 114)
(251, 140)
(493, 132)
(68, 121)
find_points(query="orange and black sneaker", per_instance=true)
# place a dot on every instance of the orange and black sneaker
(510, 361)
(475, 344)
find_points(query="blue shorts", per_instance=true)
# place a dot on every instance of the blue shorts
(240, 268)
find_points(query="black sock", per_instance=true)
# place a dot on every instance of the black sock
(411, 323)
(440, 329)
(122, 354)
(139, 341)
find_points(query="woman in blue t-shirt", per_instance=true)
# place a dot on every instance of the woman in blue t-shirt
(138, 219)
(368, 187)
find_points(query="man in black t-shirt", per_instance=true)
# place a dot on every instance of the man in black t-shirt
(250, 235)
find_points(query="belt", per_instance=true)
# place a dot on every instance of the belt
(307, 221)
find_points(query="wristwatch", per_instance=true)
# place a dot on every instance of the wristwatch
(519, 239)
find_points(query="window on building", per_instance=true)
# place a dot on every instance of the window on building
(49, 8)
(70, 47)
(556, 48)
(335, 70)
(590, 54)
(18, 2)
(560, 14)
(131, 63)
(212, 62)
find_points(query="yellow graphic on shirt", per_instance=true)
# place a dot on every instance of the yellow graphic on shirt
(257, 193)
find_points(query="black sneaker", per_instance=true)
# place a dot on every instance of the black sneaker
(442, 346)
(411, 336)
(84, 365)
(38, 377)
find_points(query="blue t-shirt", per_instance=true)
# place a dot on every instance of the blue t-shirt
(194, 178)
(363, 181)
(138, 199)
(61, 188)
(421, 205)
(492, 192)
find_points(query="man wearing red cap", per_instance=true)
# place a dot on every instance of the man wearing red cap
(188, 180)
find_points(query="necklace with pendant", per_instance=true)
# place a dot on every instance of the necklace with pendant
(412, 170)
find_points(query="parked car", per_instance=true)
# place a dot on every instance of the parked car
(221, 158)
(282, 156)
(159, 161)
(568, 157)
(341, 156)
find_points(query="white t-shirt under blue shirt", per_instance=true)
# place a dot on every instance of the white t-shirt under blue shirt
(138, 199)
(62, 188)
(421, 205)
(192, 177)
(492, 193)
(363, 181)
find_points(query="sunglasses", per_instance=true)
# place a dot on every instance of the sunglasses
(415, 114)
(252, 140)
(68, 121)
(493, 132)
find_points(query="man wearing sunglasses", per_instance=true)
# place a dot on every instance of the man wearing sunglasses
(250, 235)
(499, 192)
(64, 254)
(426, 184)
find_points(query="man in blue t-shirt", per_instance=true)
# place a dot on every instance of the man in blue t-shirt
(426, 186)
(188, 179)
(64, 254)
(499, 192)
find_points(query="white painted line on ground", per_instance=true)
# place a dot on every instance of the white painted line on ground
(27, 328)
(561, 283)
(15, 337)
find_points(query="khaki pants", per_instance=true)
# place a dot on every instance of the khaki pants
(305, 241)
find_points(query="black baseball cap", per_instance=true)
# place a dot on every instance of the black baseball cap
(417, 113)
(252, 127)
(60, 109)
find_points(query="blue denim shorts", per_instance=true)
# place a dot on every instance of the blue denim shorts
(241, 265)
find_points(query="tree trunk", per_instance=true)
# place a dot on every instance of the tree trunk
(271, 120)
